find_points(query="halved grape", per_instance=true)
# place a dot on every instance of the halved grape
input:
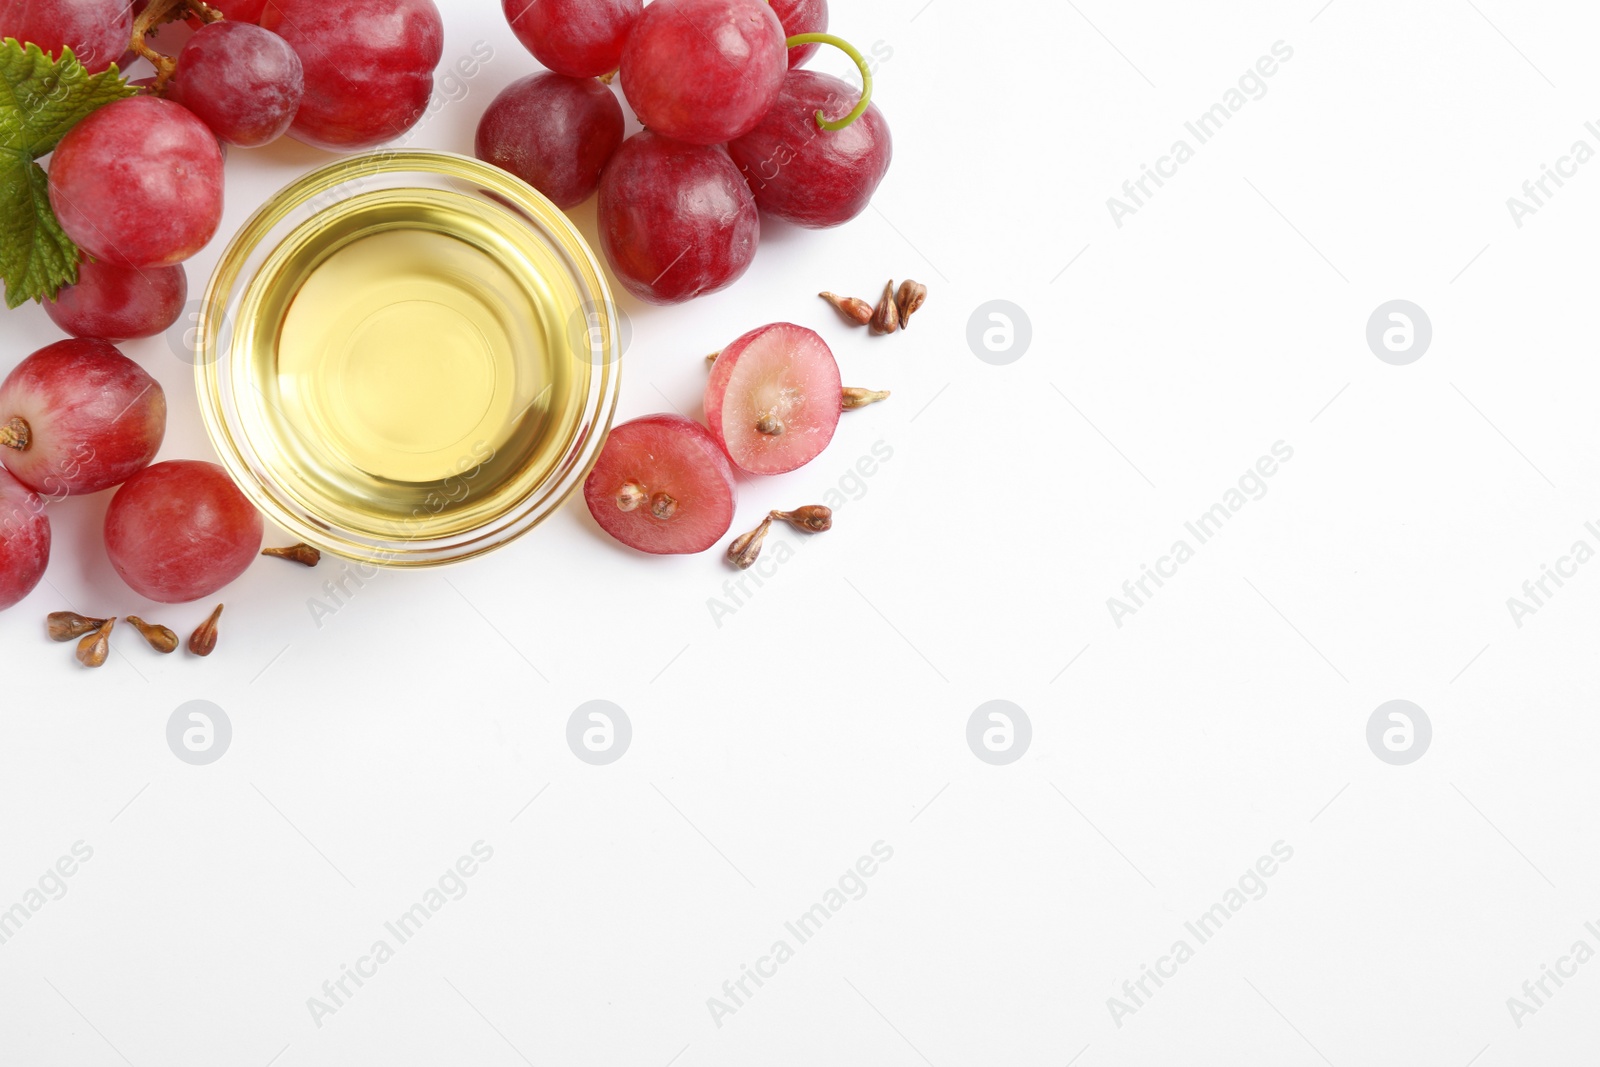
(241, 80)
(97, 31)
(676, 220)
(24, 540)
(139, 183)
(704, 71)
(77, 417)
(181, 530)
(368, 66)
(118, 303)
(662, 484)
(554, 132)
(773, 398)
(810, 176)
(579, 38)
(802, 16)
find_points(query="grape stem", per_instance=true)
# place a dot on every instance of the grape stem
(861, 64)
(162, 11)
(16, 434)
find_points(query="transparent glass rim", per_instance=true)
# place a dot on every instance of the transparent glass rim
(216, 381)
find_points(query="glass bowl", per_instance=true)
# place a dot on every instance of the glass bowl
(407, 358)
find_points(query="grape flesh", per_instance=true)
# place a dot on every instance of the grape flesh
(662, 485)
(97, 31)
(90, 418)
(578, 38)
(554, 132)
(118, 303)
(802, 16)
(704, 71)
(676, 220)
(241, 80)
(805, 174)
(138, 183)
(773, 398)
(368, 66)
(24, 540)
(181, 530)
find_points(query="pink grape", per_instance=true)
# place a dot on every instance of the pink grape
(773, 398)
(138, 183)
(236, 11)
(805, 174)
(77, 417)
(554, 132)
(181, 530)
(704, 71)
(241, 80)
(97, 31)
(676, 220)
(118, 303)
(662, 485)
(24, 540)
(368, 66)
(802, 16)
(579, 38)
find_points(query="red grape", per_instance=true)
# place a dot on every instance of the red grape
(810, 176)
(243, 81)
(579, 38)
(662, 485)
(118, 303)
(802, 16)
(24, 540)
(77, 417)
(181, 530)
(139, 183)
(773, 399)
(676, 220)
(239, 10)
(554, 132)
(97, 31)
(704, 71)
(368, 66)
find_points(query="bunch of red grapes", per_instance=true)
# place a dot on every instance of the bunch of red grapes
(732, 129)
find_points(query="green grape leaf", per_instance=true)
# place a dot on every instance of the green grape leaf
(41, 98)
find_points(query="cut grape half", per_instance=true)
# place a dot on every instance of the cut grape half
(662, 484)
(773, 398)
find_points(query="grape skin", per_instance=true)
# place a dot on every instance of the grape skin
(24, 541)
(554, 132)
(802, 16)
(676, 220)
(118, 303)
(578, 38)
(181, 530)
(244, 82)
(704, 71)
(97, 31)
(139, 183)
(368, 66)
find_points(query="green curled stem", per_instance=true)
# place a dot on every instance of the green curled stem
(861, 64)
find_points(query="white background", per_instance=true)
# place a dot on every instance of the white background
(829, 711)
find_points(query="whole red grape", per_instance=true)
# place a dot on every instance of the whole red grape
(239, 10)
(368, 66)
(554, 132)
(77, 417)
(139, 183)
(802, 16)
(97, 31)
(24, 540)
(241, 80)
(579, 38)
(810, 176)
(676, 220)
(704, 71)
(181, 530)
(118, 303)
